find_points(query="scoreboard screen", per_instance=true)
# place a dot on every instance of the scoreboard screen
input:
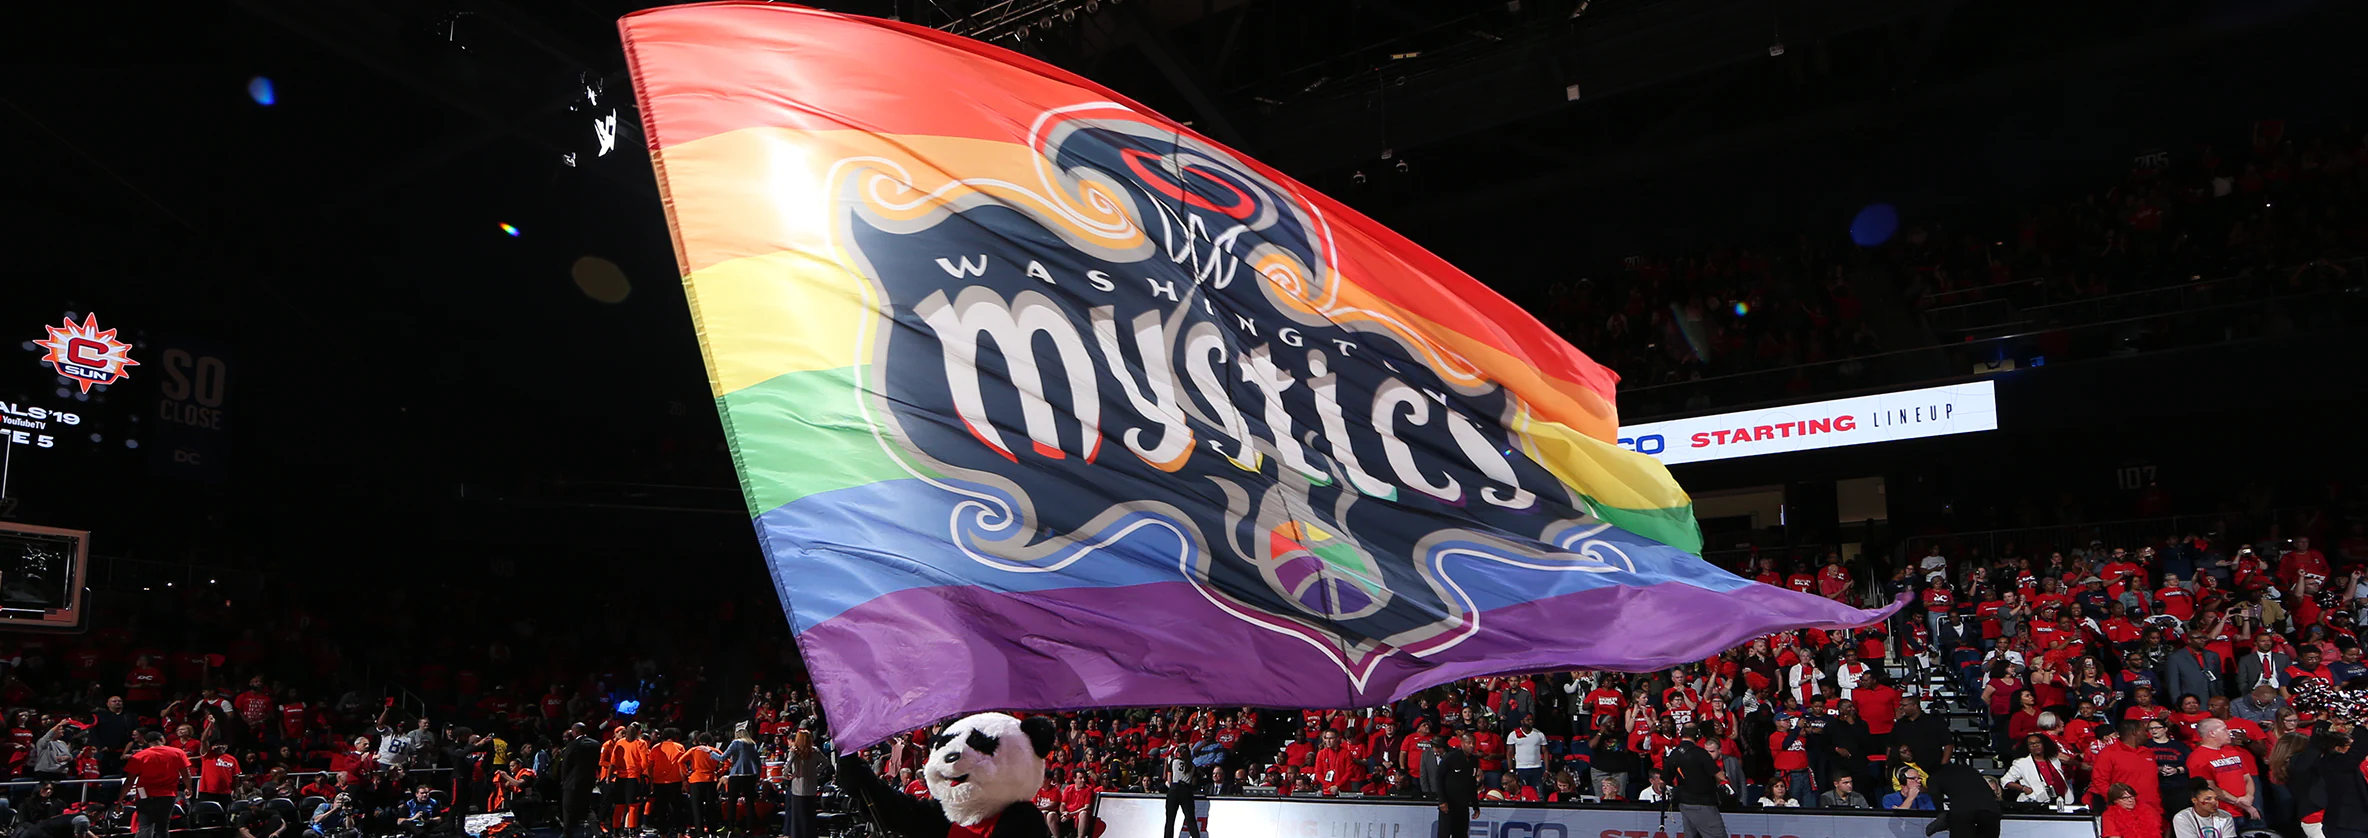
(42, 573)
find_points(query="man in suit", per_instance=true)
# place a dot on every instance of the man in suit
(2194, 670)
(1459, 788)
(579, 770)
(1972, 805)
(1699, 784)
(2263, 666)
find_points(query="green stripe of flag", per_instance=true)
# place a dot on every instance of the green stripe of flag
(1674, 526)
(800, 434)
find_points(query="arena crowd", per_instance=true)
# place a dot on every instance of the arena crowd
(2115, 676)
(2276, 203)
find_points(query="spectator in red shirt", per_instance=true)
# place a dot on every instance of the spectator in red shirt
(2124, 819)
(1380, 747)
(1076, 798)
(2299, 561)
(1604, 705)
(1833, 582)
(1410, 750)
(2175, 599)
(143, 687)
(1788, 747)
(294, 718)
(154, 776)
(324, 785)
(185, 738)
(217, 775)
(255, 708)
(2308, 667)
(1938, 602)
(1800, 580)
(1489, 747)
(2129, 762)
(2229, 767)
(1878, 704)
(1335, 767)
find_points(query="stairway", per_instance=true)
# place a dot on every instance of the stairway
(1969, 719)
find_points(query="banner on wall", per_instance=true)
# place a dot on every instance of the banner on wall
(1040, 400)
(190, 425)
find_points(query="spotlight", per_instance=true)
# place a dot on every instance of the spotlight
(1068, 15)
(1582, 9)
(1092, 6)
(1387, 153)
(1775, 49)
(1358, 178)
(1874, 225)
(1402, 167)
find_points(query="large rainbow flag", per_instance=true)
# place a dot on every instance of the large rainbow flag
(1041, 401)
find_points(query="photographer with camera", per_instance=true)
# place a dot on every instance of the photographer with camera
(338, 818)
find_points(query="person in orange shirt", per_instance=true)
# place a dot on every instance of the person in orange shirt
(627, 763)
(702, 766)
(665, 774)
(608, 751)
(512, 789)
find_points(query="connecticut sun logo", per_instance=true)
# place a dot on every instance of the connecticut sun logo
(84, 352)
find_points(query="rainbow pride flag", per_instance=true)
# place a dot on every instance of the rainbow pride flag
(1042, 401)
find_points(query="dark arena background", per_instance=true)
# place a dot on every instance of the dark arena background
(418, 433)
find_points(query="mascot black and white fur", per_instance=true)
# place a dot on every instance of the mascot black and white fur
(984, 772)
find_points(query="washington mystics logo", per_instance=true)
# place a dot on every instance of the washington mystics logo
(1143, 352)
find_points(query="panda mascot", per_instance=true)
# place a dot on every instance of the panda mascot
(983, 771)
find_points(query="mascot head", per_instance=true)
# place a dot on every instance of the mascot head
(984, 763)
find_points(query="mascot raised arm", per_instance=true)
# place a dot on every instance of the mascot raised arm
(983, 771)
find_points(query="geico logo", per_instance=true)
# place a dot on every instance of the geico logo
(1647, 444)
(1518, 829)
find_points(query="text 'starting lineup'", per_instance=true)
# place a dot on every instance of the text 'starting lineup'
(1909, 414)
